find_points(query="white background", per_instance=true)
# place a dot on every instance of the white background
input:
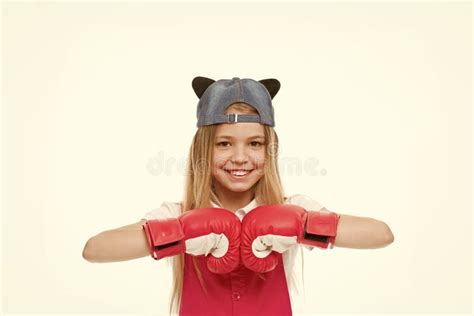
(99, 113)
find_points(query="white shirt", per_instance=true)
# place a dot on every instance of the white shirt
(173, 210)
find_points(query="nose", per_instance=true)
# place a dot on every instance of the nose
(239, 155)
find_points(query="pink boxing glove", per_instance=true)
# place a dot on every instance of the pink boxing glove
(280, 226)
(212, 232)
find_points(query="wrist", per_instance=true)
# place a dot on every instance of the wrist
(320, 229)
(165, 237)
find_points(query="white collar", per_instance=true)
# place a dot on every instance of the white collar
(243, 210)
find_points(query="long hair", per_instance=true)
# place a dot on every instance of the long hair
(199, 191)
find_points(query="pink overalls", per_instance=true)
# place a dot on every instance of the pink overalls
(241, 292)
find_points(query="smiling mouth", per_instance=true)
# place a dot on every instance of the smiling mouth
(239, 173)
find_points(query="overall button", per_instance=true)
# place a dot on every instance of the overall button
(236, 296)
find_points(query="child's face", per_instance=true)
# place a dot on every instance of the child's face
(242, 149)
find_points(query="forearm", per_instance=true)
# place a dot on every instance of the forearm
(362, 233)
(116, 245)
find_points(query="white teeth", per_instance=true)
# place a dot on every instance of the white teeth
(239, 173)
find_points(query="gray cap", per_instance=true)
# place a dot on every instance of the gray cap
(216, 96)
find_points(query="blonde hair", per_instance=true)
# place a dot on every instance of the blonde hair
(199, 192)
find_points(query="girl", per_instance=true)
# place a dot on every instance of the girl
(220, 267)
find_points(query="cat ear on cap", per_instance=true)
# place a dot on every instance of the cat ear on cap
(200, 84)
(272, 85)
